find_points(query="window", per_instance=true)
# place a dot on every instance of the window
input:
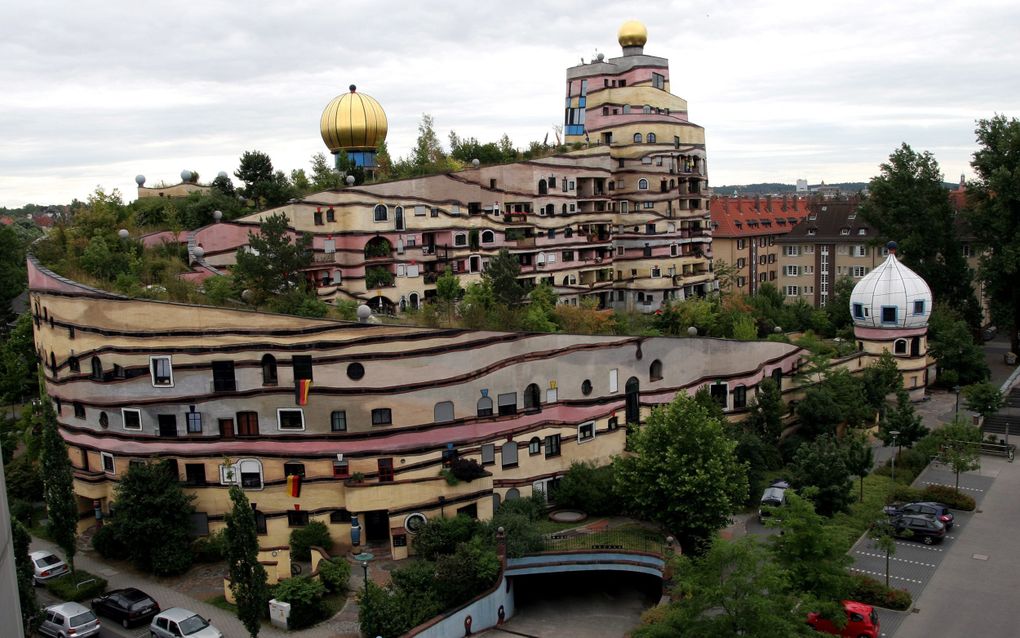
(97, 369)
(381, 213)
(161, 371)
(108, 465)
(508, 454)
(862, 231)
(72, 364)
(791, 291)
(791, 251)
(552, 445)
(532, 398)
(297, 518)
(637, 138)
(791, 271)
(79, 410)
(382, 416)
(739, 397)
(919, 307)
(293, 468)
(507, 403)
(642, 184)
(251, 473)
(888, 314)
(858, 250)
(535, 446)
(858, 311)
(302, 366)
(290, 418)
(223, 376)
(586, 432)
(317, 215)
(844, 231)
(651, 140)
(443, 411)
(194, 421)
(718, 391)
(104, 420)
(330, 214)
(488, 454)
(658, 81)
(858, 271)
(132, 419)
(586, 387)
(342, 469)
(247, 424)
(900, 346)
(260, 523)
(355, 371)
(488, 236)
(655, 371)
(484, 406)
(194, 473)
(385, 470)
(268, 369)
(419, 210)
(338, 421)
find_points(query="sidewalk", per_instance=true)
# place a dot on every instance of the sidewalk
(343, 625)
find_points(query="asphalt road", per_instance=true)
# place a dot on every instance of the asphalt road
(110, 628)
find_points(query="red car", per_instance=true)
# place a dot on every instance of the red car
(861, 622)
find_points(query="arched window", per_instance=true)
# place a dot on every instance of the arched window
(381, 213)
(637, 138)
(413, 299)
(443, 411)
(646, 109)
(97, 369)
(651, 138)
(532, 398)
(550, 209)
(543, 187)
(626, 109)
(633, 395)
(535, 446)
(268, 369)
(485, 406)
(378, 247)
(655, 371)
(250, 471)
(488, 236)
(642, 184)
(568, 232)
(512, 494)
(564, 209)
(900, 346)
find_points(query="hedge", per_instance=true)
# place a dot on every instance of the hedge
(938, 493)
(65, 587)
(870, 591)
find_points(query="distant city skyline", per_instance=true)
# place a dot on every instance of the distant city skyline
(96, 94)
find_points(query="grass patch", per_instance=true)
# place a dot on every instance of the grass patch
(221, 603)
(851, 525)
(80, 585)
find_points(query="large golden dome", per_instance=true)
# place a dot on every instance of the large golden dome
(632, 34)
(353, 121)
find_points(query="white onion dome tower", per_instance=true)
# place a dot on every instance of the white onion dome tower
(891, 296)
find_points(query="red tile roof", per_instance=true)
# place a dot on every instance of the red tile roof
(752, 216)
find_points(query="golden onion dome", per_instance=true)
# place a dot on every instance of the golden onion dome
(353, 121)
(632, 34)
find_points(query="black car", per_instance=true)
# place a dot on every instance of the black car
(918, 527)
(130, 606)
(938, 511)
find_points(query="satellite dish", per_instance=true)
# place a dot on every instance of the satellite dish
(139, 179)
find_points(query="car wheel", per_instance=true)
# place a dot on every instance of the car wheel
(928, 540)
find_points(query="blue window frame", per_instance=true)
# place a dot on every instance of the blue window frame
(919, 307)
(888, 314)
(858, 311)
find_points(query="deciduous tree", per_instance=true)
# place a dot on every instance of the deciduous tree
(822, 464)
(902, 419)
(247, 575)
(983, 398)
(958, 444)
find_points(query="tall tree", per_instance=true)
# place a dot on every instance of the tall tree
(908, 203)
(12, 271)
(951, 343)
(983, 398)
(273, 261)
(427, 154)
(501, 273)
(958, 444)
(903, 419)
(30, 612)
(881, 535)
(684, 473)
(859, 457)
(247, 575)
(324, 176)
(766, 411)
(58, 486)
(994, 216)
(822, 465)
(18, 363)
(448, 291)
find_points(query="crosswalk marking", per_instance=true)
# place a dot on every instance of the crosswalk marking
(893, 558)
(882, 575)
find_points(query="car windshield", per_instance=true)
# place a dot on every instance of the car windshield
(874, 617)
(82, 619)
(193, 624)
(773, 496)
(47, 560)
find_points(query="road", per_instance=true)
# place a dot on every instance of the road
(110, 628)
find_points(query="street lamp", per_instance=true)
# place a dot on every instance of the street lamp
(894, 434)
(956, 389)
(364, 566)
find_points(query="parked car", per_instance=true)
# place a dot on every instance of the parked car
(69, 619)
(177, 622)
(861, 621)
(128, 606)
(774, 496)
(46, 565)
(916, 526)
(938, 511)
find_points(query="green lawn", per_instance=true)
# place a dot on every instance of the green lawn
(850, 526)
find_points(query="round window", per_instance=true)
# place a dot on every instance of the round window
(355, 371)
(414, 522)
(586, 387)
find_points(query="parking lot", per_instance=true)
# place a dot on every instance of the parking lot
(914, 564)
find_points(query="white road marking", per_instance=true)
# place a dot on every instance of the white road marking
(882, 575)
(969, 489)
(893, 558)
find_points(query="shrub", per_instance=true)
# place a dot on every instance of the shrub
(335, 574)
(466, 573)
(106, 542)
(383, 612)
(442, 535)
(467, 469)
(171, 560)
(302, 539)
(903, 494)
(588, 488)
(874, 592)
(23, 511)
(533, 507)
(77, 587)
(949, 496)
(211, 548)
(24, 480)
(522, 537)
(305, 597)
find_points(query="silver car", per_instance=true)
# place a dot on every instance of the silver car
(46, 565)
(177, 622)
(68, 620)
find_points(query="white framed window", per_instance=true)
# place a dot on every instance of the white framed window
(858, 271)
(791, 291)
(844, 231)
(614, 380)
(859, 250)
(586, 432)
(290, 419)
(791, 271)
(108, 466)
(642, 184)
(419, 210)
(380, 213)
(247, 472)
(460, 239)
(862, 231)
(161, 371)
(791, 251)
(132, 419)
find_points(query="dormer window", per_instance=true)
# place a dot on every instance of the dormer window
(844, 231)
(862, 231)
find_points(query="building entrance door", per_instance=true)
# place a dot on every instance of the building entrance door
(377, 526)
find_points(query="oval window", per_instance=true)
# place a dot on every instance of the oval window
(355, 371)
(586, 387)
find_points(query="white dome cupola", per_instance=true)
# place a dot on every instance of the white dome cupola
(891, 296)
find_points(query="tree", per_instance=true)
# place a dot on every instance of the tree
(256, 171)
(859, 457)
(427, 156)
(224, 186)
(18, 363)
(908, 203)
(822, 465)
(951, 342)
(300, 182)
(735, 589)
(994, 218)
(684, 473)
(983, 398)
(766, 411)
(881, 379)
(904, 420)
(881, 534)
(12, 270)
(838, 308)
(24, 572)
(725, 274)
(247, 575)
(324, 176)
(502, 273)
(448, 291)
(273, 260)
(957, 444)
(150, 503)
(745, 328)
(58, 484)
(838, 399)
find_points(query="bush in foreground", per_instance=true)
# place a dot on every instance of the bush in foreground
(305, 597)
(314, 534)
(77, 587)
(335, 574)
(869, 591)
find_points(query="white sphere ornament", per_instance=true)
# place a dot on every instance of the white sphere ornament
(777, 330)
(350, 180)
(123, 233)
(198, 252)
(476, 163)
(222, 174)
(217, 215)
(364, 312)
(247, 295)
(139, 179)
(692, 332)
(185, 175)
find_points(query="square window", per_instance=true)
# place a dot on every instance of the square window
(507, 403)
(294, 469)
(340, 516)
(586, 432)
(290, 419)
(161, 371)
(338, 421)
(132, 419)
(342, 469)
(297, 518)
(888, 314)
(858, 311)
(302, 366)
(108, 465)
(919, 307)
(194, 420)
(552, 445)
(382, 416)
(194, 473)
(79, 410)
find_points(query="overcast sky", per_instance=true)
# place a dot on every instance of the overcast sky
(97, 92)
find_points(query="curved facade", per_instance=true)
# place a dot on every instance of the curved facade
(364, 414)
